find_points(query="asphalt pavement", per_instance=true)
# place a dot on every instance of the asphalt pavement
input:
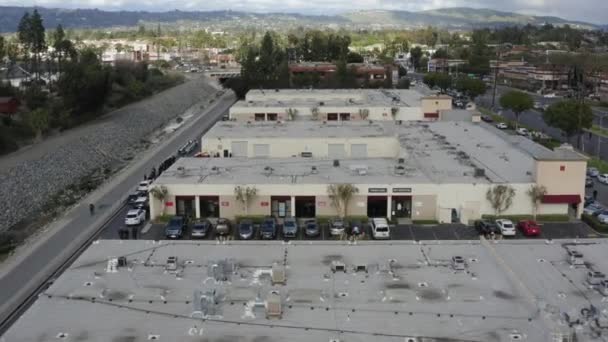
(68, 233)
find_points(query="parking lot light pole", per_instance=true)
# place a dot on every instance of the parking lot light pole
(599, 137)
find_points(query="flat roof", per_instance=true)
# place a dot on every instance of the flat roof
(299, 129)
(331, 98)
(433, 153)
(389, 292)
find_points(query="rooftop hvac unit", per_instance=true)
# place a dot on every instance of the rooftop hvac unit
(480, 172)
(122, 261)
(313, 170)
(336, 163)
(278, 274)
(338, 266)
(401, 160)
(181, 170)
(306, 154)
(400, 170)
(171, 264)
(575, 258)
(595, 277)
(273, 305)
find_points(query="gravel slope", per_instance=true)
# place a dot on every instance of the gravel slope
(33, 176)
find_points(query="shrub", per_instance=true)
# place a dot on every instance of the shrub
(594, 223)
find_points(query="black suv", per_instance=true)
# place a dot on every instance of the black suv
(175, 227)
(486, 227)
(269, 228)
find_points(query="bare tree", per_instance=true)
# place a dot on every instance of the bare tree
(340, 196)
(314, 112)
(292, 113)
(536, 193)
(363, 114)
(160, 193)
(500, 198)
(394, 112)
(245, 195)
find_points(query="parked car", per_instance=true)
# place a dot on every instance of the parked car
(602, 216)
(311, 228)
(588, 200)
(142, 203)
(144, 185)
(246, 230)
(588, 182)
(592, 172)
(506, 227)
(135, 217)
(337, 226)
(485, 227)
(380, 228)
(222, 227)
(201, 229)
(487, 118)
(529, 228)
(187, 148)
(501, 125)
(175, 227)
(538, 105)
(269, 228)
(593, 209)
(290, 227)
(522, 131)
(132, 198)
(603, 178)
(550, 95)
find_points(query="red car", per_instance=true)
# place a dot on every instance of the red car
(529, 228)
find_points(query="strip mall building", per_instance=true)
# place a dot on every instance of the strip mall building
(438, 170)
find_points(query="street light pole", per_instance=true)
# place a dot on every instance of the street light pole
(495, 79)
(599, 137)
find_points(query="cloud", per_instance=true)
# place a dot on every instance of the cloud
(586, 10)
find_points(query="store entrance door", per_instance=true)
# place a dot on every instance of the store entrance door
(402, 206)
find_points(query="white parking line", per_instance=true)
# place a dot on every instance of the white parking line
(146, 228)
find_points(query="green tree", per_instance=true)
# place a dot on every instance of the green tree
(38, 121)
(35, 97)
(31, 35)
(161, 193)
(518, 102)
(340, 196)
(571, 116)
(63, 47)
(441, 53)
(443, 81)
(471, 86)
(2, 49)
(416, 55)
(500, 198)
(430, 80)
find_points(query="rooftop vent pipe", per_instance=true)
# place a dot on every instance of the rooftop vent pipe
(336, 163)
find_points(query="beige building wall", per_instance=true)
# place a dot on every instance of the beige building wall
(377, 147)
(244, 113)
(434, 104)
(429, 201)
(562, 178)
(424, 207)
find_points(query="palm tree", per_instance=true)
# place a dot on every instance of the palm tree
(292, 113)
(245, 195)
(340, 195)
(500, 198)
(364, 114)
(160, 193)
(536, 193)
(314, 112)
(394, 112)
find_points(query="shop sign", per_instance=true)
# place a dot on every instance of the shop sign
(377, 190)
(402, 190)
(168, 204)
(264, 204)
(225, 204)
(321, 204)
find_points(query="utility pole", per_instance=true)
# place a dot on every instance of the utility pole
(496, 79)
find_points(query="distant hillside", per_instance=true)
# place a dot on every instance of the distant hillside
(458, 17)
(448, 17)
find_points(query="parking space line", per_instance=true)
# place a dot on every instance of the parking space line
(146, 228)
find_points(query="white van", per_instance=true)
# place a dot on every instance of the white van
(380, 228)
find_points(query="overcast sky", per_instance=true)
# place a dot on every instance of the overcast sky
(595, 11)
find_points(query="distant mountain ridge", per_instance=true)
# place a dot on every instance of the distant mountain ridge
(459, 17)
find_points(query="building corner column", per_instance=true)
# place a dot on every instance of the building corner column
(197, 207)
(389, 206)
(293, 206)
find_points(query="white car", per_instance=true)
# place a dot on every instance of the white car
(501, 125)
(135, 217)
(592, 172)
(506, 227)
(592, 209)
(380, 228)
(144, 185)
(550, 95)
(603, 216)
(522, 131)
(603, 178)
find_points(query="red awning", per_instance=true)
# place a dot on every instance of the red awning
(561, 199)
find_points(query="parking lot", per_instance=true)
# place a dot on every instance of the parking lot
(571, 230)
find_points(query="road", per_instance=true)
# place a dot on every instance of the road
(70, 231)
